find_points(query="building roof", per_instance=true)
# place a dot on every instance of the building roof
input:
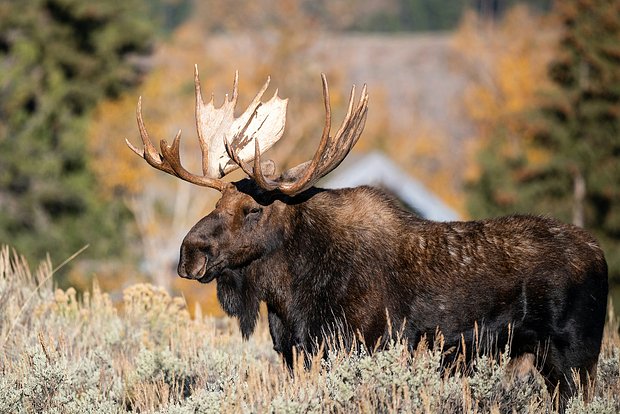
(376, 169)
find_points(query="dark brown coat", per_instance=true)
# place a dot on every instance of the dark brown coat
(350, 257)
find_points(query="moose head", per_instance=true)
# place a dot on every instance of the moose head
(238, 230)
(250, 220)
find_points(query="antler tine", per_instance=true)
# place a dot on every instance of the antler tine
(235, 93)
(336, 144)
(149, 152)
(257, 174)
(257, 171)
(348, 134)
(172, 155)
(169, 160)
(240, 139)
(310, 173)
(330, 153)
(332, 149)
(232, 147)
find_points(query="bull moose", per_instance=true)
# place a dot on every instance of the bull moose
(354, 258)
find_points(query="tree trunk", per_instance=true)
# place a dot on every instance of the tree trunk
(579, 194)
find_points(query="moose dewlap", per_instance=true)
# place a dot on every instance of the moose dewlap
(352, 258)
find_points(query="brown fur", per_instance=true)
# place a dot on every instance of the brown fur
(345, 259)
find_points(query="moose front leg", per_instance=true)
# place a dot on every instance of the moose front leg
(281, 336)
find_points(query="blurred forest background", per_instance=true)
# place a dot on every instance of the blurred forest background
(497, 106)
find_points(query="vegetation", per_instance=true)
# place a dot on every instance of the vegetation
(559, 155)
(416, 15)
(70, 354)
(58, 58)
(343, 15)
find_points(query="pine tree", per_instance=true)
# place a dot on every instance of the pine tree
(576, 127)
(57, 59)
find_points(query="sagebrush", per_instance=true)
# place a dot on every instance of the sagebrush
(69, 353)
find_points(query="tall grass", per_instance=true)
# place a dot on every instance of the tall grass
(67, 354)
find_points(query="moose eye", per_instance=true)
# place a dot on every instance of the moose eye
(252, 210)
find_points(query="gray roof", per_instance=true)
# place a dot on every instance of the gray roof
(376, 169)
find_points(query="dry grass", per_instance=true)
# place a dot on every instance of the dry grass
(63, 354)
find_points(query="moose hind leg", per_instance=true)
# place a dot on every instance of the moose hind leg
(574, 332)
(568, 369)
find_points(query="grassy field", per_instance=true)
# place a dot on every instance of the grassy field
(64, 354)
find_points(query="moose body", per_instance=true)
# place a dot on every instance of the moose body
(353, 258)
(353, 261)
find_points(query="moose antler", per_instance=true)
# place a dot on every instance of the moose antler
(332, 149)
(262, 125)
(226, 141)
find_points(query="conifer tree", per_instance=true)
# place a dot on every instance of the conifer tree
(57, 59)
(576, 127)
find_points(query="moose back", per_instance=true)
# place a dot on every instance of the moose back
(354, 259)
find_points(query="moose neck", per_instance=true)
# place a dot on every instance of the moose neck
(315, 264)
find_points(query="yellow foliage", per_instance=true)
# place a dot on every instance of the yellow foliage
(509, 66)
(472, 170)
(117, 168)
(537, 157)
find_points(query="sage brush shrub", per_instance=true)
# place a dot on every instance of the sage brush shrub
(64, 352)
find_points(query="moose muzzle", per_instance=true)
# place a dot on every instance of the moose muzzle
(192, 263)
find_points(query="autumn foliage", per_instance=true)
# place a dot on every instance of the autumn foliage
(448, 138)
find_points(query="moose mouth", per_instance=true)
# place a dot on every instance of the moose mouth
(206, 279)
(211, 272)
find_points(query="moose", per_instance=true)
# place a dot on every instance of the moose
(354, 258)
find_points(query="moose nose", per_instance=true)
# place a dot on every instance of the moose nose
(192, 263)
